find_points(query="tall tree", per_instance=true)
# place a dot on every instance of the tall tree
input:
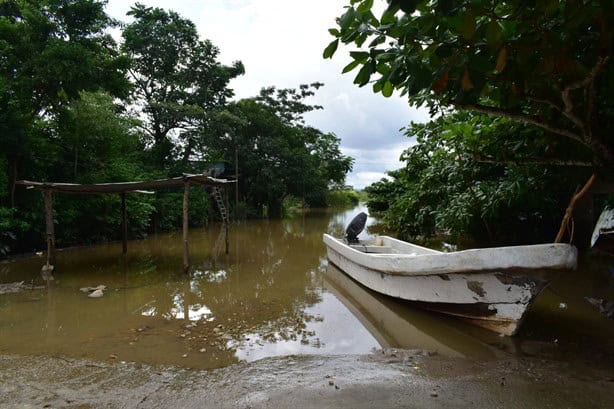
(50, 51)
(277, 154)
(541, 62)
(178, 80)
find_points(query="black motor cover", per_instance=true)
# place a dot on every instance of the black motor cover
(355, 227)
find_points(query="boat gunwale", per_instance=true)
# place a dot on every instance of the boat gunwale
(561, 256)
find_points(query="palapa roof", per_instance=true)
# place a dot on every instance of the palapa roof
(123, 187)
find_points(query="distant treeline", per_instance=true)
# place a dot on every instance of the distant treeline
(77, 107)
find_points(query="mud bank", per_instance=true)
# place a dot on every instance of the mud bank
(385, 379)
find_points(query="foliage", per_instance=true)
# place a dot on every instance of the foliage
(277, 155)
(459, 180)
(342, 198)
(177, 78)
(545, 63)
(69, 112)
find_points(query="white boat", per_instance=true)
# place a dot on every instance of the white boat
(603, 235)
(491, 287)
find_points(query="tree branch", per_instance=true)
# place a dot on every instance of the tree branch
(586, 82)
(533, 161)
(522, 118)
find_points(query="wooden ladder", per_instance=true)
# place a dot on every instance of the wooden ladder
(216, 192)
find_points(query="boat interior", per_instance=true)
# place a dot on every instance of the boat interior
(389, 245)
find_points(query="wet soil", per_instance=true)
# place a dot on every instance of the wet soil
(384, 379)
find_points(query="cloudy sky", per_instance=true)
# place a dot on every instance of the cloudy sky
(280, 42)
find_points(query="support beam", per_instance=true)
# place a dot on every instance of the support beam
(124, 225)
(186, 198)
(50, 232)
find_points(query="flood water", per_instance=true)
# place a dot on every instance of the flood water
(273, 294)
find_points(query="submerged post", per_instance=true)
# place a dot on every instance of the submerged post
(227, 218)
(50, 233)
(124, 225)
(186, 198)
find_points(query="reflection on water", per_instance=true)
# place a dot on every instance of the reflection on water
(274, 294)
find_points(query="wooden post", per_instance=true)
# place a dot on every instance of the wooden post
(186, 198)
(50, 233)
(124, 225)
(236, 184)
(227, 219)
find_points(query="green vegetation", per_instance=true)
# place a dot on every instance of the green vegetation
(75, 106)
(342, 197)
(466, 177)
(534, 82)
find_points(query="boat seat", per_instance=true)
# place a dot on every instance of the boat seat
(365, 248)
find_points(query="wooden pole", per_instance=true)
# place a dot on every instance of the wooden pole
(236, 184)
(227, 219)
(124, 225)
(50, 232)
(570, 207)
(186, 198)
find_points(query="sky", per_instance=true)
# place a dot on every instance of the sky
(280, 43)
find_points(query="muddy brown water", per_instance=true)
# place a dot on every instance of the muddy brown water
(274, 294)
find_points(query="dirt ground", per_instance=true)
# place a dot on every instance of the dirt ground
(384, 379)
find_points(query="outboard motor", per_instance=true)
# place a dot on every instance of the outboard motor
(355, 227)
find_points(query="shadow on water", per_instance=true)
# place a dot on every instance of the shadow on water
(274, 294)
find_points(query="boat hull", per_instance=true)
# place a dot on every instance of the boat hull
(496, 300)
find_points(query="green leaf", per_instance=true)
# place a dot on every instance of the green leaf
(387, 89)
(494, 32)
(347, 18)
(330, 49)
(365, 6)
(350, 66)
(363, 75)
(334, 31)
(408, 6)
(361, 56)
(377, 41)
(377, 87)
(467, 29)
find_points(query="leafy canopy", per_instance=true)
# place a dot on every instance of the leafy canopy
(469, 176)
(177, 77)
(543, 62)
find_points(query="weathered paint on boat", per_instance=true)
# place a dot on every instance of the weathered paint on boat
(490, 287)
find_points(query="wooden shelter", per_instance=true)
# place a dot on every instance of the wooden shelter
(122, 188)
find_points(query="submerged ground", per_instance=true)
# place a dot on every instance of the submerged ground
(273, 325)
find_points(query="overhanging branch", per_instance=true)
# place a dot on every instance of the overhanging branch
(522, 118)
(533, 161)
(584, 83)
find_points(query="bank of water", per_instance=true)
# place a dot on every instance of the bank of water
(274, 294)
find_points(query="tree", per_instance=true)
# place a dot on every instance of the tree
(546, 63)
(178, 80)
(50, 51)
(278, 156)
(473, 176)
